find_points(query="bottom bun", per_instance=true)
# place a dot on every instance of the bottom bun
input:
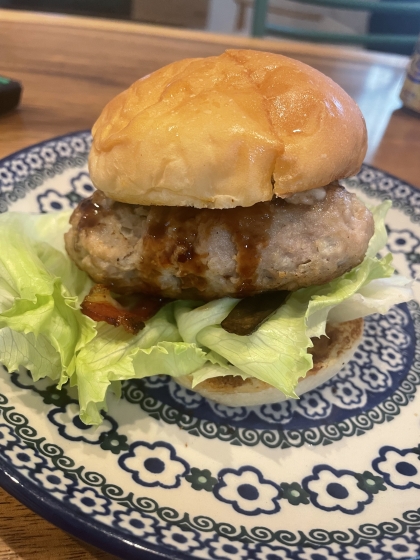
(330, 354)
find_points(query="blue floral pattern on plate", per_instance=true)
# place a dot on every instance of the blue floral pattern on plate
(185, 478)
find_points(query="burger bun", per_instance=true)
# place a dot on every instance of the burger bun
(225, 131)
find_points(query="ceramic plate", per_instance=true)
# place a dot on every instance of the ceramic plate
(168, 474)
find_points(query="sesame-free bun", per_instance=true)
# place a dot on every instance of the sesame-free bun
(225, 131)
(329, 356)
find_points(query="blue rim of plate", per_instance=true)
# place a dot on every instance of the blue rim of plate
(92, 533)
(52, 510)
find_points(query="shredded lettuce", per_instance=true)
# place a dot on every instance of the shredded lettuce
(43, 329)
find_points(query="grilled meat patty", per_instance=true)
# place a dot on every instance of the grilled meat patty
(184, 253)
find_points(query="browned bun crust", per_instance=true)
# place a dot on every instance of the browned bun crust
(330, 354)
(225, 131)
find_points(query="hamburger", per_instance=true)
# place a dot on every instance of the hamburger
(218, 248)
(218, 180)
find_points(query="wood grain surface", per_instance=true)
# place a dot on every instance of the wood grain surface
(70, 67)
(26, 536)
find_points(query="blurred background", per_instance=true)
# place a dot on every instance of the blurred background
(323, 23)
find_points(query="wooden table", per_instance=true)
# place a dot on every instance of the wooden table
(70, 67)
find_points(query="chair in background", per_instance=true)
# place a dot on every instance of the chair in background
(244, 5)
(395, 41)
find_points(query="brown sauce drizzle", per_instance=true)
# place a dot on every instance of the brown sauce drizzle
(250, 231)
(91, 211)
(174, 233)
(172, 241)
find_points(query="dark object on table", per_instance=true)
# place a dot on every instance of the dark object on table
(10, 93)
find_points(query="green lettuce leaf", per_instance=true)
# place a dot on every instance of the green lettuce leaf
(43, 329)
(38, 303)
(277, 352)
(115, 355)
(378, 240)
(34, 353)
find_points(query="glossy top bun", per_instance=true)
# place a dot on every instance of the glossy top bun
(225, 131)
